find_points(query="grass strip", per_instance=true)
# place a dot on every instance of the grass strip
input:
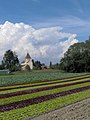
(28, 96)
(41, 89)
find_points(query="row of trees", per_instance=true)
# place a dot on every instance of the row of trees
(10, 61)
(77, 58)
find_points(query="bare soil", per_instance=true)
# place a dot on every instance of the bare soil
(76, 111)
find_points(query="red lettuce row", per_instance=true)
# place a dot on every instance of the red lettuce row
(37, 100)
(40, 89)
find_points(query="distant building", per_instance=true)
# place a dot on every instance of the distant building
(27, 64)
(44, 67)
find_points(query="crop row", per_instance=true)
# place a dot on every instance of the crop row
(36, 109)
(24, 103)
(46, 83)
(20, 101)
(35, 87)
(28, 96)
(41, 89)
(33, 77)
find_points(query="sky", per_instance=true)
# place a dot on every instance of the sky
(44, 28)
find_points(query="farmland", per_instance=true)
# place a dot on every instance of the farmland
(34, 76)
(25, 95)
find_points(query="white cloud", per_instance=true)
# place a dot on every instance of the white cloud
(45, 44)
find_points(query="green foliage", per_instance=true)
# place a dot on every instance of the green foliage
(37, 65)
(27, 96)
(29, 88)
(24, 77)
(10, 61)
(1, 67)
(56, 66)
(77, 58)
(50, 64)
(36, 109)
(43, 107)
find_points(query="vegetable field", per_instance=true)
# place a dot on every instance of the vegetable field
(20, 101)
(34, 76)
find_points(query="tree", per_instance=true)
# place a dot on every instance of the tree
(50, 64)
(10, 61)
(77, 58)
(1, 67)
(33, 62)
(37, 65)
(56, 66)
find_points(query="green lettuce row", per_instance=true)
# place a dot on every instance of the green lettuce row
(29, 88)
(40, 108)
(52, 81)
(27, 96)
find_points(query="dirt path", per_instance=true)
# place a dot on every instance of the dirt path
(76, 111)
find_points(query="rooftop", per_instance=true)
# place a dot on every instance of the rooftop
(28, 56)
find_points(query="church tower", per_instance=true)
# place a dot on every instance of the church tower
(27, 63)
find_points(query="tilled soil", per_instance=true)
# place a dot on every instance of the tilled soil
(76, 111)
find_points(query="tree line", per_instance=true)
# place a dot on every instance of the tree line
(77, 58)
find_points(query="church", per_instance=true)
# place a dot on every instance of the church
(27, 64)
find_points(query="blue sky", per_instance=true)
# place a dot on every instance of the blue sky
(44, 28)
(72, 15)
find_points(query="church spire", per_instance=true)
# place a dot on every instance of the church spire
(28, 56)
